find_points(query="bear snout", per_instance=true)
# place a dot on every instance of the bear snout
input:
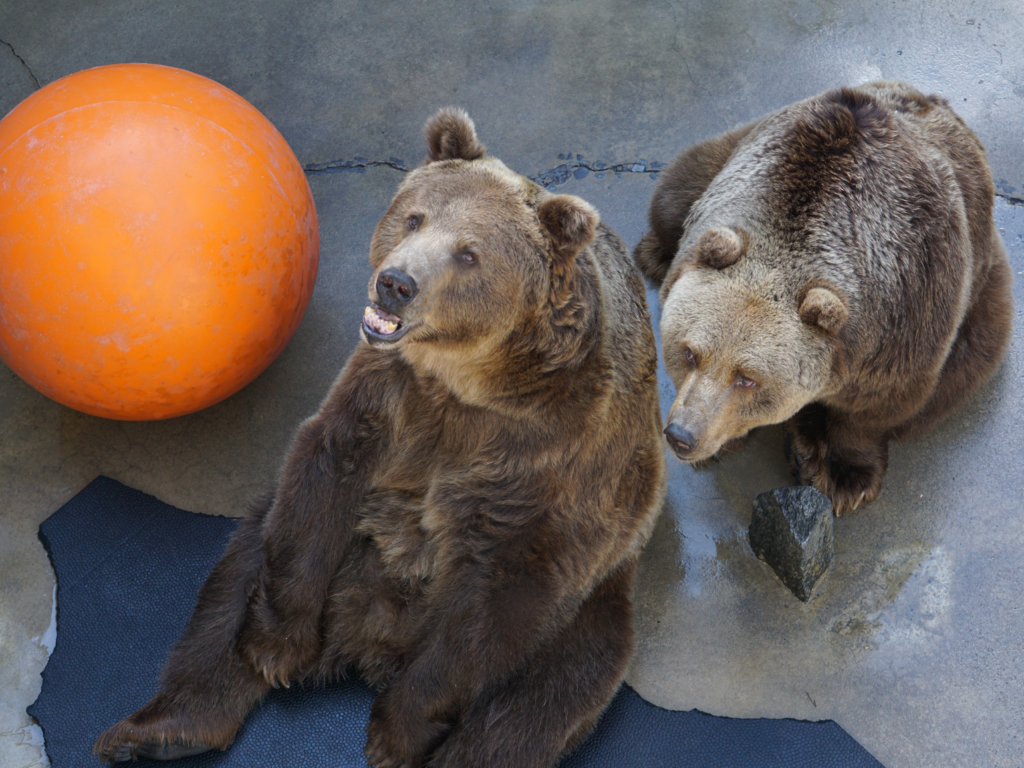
(681, 440)
(395, 289)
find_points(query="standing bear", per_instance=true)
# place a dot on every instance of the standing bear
(834, 266)
(461, 520)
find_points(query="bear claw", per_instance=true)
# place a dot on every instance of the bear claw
(844, 502)
(116, 748)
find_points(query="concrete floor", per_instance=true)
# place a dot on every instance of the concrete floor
(914, 645)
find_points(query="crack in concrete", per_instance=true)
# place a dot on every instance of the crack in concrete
(355, 165)
(579, 168)
(573, 167)
(24, 64)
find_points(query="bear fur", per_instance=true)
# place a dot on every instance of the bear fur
(461, 521)
(834, 266)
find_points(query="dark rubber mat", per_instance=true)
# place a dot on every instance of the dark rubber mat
(129, 568)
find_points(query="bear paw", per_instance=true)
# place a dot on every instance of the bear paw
(279, 648)
(850, 485)
(396, 739)
(156, 739)
(277, 661)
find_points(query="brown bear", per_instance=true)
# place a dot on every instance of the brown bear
(461, 520)
(834, 266)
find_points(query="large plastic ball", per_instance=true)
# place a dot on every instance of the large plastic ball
(158, 241)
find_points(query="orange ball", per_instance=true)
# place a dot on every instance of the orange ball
(158, 241)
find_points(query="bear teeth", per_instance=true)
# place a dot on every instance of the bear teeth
(380, 321)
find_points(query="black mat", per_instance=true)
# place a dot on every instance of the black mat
(129, 568)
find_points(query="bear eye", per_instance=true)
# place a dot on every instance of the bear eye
(746, 383)
(466, 257)
(414, 221)
(690, 357)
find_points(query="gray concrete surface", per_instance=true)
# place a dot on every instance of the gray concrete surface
(914, 645)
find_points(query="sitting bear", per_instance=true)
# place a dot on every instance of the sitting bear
(461, 520)
(834, 266)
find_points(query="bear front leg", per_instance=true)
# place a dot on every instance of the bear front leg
(207, 688)
(308, 529)
(844, 461)
(553, 702)
(491, 613)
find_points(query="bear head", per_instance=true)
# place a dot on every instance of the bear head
(743, 344)
(474, 266)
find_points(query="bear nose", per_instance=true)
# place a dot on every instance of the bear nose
(395, 288)
(681, 440)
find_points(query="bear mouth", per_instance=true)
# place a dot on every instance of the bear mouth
(381, 327)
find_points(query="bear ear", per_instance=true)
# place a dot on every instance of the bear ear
(720, 247)
(823, 308)
(570, 221)
(451, 135)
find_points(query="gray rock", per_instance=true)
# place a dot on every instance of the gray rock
(791, 531)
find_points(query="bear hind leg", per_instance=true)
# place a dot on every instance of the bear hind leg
(680, 185)
(653, 258)
(976, 352)
(553, 705)
(207, 688)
